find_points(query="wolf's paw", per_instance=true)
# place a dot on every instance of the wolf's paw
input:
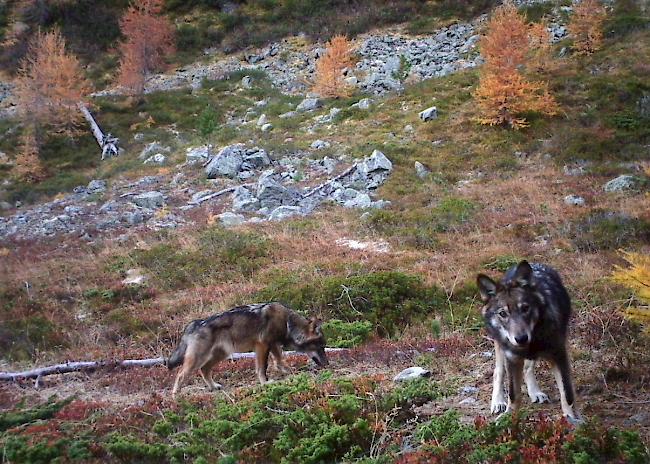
(498, 406)
(539, 397)
(575, 420)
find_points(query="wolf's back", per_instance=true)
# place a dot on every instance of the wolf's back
(178, 355)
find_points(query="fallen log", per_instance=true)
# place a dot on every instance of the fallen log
(108, 144)
(89, 366)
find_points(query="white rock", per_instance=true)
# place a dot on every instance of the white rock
(429, 114)
(135, 277)
(421, 170)
(151, 200)
(320, 144)
(411, 373)
(247, 82)
(158, 159)
(267, 127)
(622, 183)
(309, 104)
(363, 104)
(284, 212)
(574, 200)
(262, 120)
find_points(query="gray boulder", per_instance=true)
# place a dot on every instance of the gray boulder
(363, 104)
(429, 114)
(227, 162)
(150, 200)
(96, 186)
(158, 159)
(152, 148)
(319, 144)
(309, 104)
(273, 194)
(267, 127)
(622, 183)
(229, 219)
(574, 200)
(283, 212)
(247, 82)
(132, 218)
(262, 120)
(244, 200)
(421, 170)
(362, 200)
(198, 154)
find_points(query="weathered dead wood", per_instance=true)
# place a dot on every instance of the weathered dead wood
(89, 366)
(106, 142)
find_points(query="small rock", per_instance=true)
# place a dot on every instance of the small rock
(362, 200)
(363, 104)
(283, 212)
(421, 170)
(96, 186)
(244, 200)
(378, 161)
(247, 82)
(198, 154)
(132, 218)
(309, 104)
(429, 114)
(158, 159)
(135, 277)
(288, 114)
(138, 137)
(229, 219)
(469, 390)
(622, 183)
(4, 206)
(574, 200)
(319, 144)
(198, 196)
(469, 400)
(409, 129)
(227, 162)
(412, 373)
(151, 200)
(267, 127)
(151, 148)
(262, 120)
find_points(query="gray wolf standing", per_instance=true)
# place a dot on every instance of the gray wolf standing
(264, 328)
(527, 314)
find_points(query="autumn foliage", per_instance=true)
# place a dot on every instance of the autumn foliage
(636, 277)
(28, 166)
(505, 93)
(50, 83)
(586, 26)
(149, 37)
(329, 81)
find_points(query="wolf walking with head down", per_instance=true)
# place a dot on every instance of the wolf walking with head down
(527, 314)
(265, 328)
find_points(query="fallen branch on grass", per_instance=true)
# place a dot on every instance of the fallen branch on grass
(89, 366)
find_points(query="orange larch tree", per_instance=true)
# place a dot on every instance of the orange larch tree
(504, 93)
(586, 26)
(50, 86)
(329, 80)
(149, 37)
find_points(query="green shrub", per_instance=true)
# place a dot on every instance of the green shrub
(389, 300)
(414, 392)
(501, 263)
(208, 121)
(603, 230)
(45, 411)
(341, 334)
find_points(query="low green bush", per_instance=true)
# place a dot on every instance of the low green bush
(341, 334)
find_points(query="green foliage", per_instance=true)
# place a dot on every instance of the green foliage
(45, 411)
(602, 230)
(627, 17)
(207, 122)
(388, 300)
(219, 254)
(404, 69)
(412, 392)
(20, 338)
(341, 334)
(501, 263)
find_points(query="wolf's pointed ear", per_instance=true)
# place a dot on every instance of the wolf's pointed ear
(486, 286)
(523, 274)
(316, 324)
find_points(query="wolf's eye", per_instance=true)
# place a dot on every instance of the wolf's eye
(503, 313)
(523, 308)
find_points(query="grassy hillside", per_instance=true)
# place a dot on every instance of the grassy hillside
(493, 197)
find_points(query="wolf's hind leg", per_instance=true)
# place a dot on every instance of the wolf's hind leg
(562, 373)
(498, 404)
(206, 370)
(189, 366)
(534, 392)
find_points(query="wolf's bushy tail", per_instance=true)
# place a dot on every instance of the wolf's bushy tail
(178, 355)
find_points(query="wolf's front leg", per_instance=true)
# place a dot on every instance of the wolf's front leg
(498, 404)
(534, 392)
(276, 351)
(515, 369)
(262, 361)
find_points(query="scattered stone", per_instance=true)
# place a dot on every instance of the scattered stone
(429, 114)
(469, 390)
(198, 196)
(288, 114)
(150, 200)
(574, 200)
(267, 127)
(363, 104)
(361, 200)
(158, 159)
(4, 206)
(283, 212)
(227, 162)
(152, 148)
(229, 219)
(469, 400)
(138, 137)
(262, 120)
(309, 104)
(319, 144)
(421, 170)
(622, 183)
(272, 194)
(135, 277)
(198, 154)
(409, 129)
(244, 200)
(96, 186)
(412, 373)
(132, 218)
(247, 82)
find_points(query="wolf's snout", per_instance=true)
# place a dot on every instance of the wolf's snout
(521, 339)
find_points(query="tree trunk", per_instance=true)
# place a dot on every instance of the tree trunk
(89, 366)
(107, 143)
